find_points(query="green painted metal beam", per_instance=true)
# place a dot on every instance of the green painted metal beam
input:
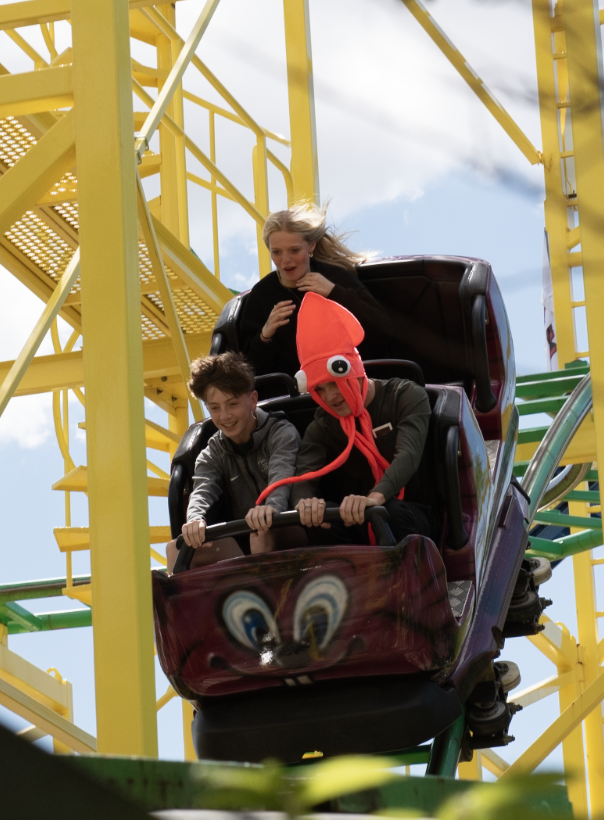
(165, 784)
(553, 375)
(444, 755)
(563, 547)
(561, 520)
(46, 588)
(591, 496)
(541, 405)
(11, 613)
(544, 389)
(66, 619)
(531, 434)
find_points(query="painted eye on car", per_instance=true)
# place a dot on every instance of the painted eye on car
(250, 621)
(319, 610)
(338, 366)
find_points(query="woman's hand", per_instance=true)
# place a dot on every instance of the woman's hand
(260, 518)
(315, 283)
(311, 512)
(279, 316)
(352, 508)
(194, 533)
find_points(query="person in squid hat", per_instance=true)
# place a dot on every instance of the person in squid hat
(366, 440)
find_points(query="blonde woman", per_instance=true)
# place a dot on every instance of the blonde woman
(308, 257)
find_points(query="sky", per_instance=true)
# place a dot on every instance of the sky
(410, 162)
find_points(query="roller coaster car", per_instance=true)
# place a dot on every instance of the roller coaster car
(355, 649)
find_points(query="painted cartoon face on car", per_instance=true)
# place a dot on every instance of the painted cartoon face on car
(306, 634)
(298, 617)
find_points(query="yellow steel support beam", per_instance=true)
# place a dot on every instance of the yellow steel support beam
(35, 91)
(165, 698)
(201, 157)
(24, 270)
(77, 481)
(156, 436)
(261, 190)
(39, 61)
(51, 723)
(556, 643)
(173, 172)
(46, 689)
(77, 539)
(583, 45)
(177, 336)
(66, 370)
(113, 367)
(587, 635)
(541, 690)
(560, 647)
(34, 12)
(579, 76)
(287, 177)
(558, 730)
(32, 176)
(573, 753)
(171, 84)
(471, 770)
(461, 65)
(187, 724)
(556, 203)
(49, 314)
(305, 161)
(492, 762)
(190, 269)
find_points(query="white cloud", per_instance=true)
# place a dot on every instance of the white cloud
(19, 311)
(27, 421)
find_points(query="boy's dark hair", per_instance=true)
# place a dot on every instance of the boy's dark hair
(228, 372)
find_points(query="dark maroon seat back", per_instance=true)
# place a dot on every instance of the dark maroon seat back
(448, 315)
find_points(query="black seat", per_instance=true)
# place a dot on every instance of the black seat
(447, 314)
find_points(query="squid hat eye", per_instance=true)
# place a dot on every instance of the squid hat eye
(338, 366)
(301, 381)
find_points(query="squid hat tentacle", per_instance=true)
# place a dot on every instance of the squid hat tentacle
(327, 340)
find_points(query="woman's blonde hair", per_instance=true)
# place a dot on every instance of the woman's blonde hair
(308, 220)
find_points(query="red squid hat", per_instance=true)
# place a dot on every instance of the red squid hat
(327, 338)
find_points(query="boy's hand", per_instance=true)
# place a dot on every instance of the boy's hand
(260, 518)
(311, 512)
(352, 508)
(194, 533)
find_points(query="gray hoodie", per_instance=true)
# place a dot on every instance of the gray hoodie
(219, 469)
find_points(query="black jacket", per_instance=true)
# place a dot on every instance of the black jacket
(402, 405)
(280, 355)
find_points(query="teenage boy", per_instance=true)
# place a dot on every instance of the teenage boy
(250, 450)
(366, 440)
